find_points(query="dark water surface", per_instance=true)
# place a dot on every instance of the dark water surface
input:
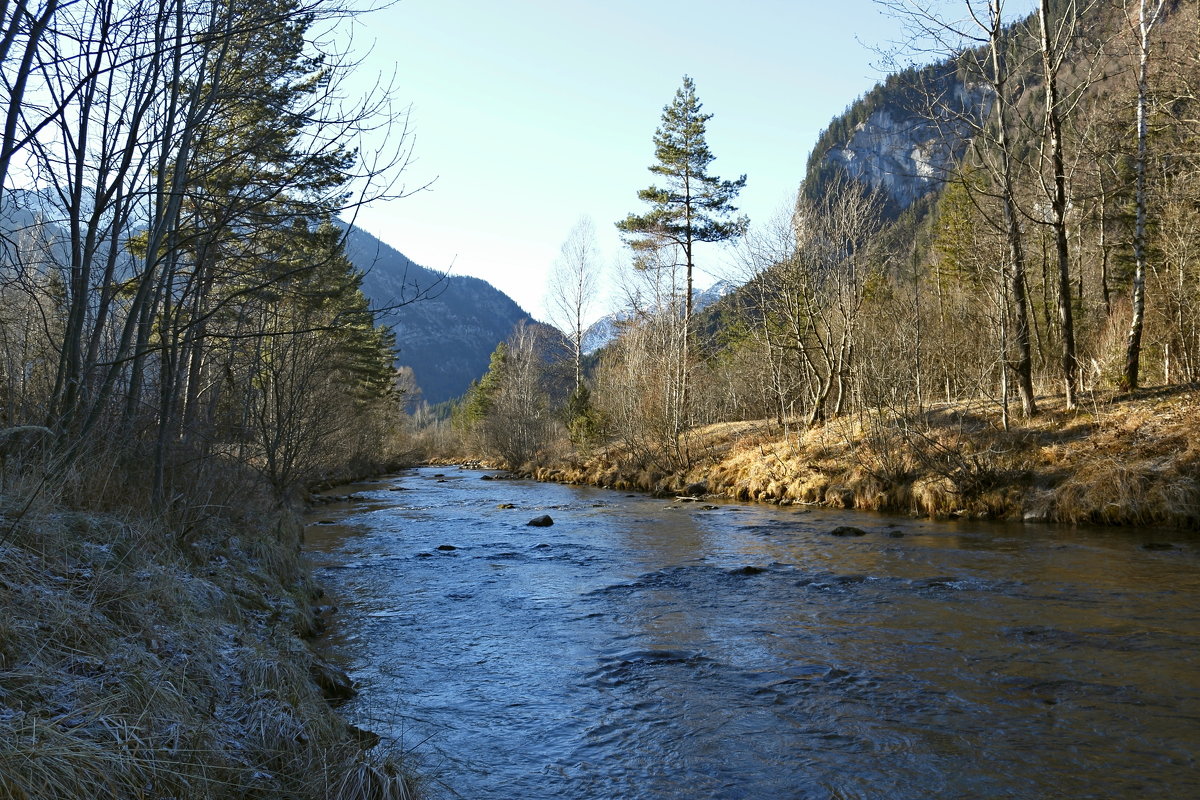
(645, 649)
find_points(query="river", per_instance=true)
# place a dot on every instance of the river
(646, 648)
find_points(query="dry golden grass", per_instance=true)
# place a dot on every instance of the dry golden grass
(368, 781)
(1117, 459)
(1139, 465)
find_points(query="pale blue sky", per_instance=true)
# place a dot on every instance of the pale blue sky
(531, 113)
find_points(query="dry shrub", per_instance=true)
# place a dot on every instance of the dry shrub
(375, 781)
(885, 453)
(935, 495)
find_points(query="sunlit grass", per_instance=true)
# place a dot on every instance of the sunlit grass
(1114, 460)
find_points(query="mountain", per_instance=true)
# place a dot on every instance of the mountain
(605, 330)
(446, 325)
(704, 299)
(894, 139)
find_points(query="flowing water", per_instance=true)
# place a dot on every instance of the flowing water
(644, 648)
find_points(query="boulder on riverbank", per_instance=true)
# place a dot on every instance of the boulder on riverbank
(335, 684)
(366, 739)
(24, 443)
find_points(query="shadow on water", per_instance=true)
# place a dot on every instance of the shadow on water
(645, 649)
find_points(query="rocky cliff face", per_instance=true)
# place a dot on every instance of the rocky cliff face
(893, 138)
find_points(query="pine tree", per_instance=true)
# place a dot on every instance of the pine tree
(482, 395)
(691, 207)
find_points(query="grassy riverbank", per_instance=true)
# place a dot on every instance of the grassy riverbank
(164, 655)
(1118, 459)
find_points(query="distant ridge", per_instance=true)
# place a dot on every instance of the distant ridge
(604, 331)
(446, 325)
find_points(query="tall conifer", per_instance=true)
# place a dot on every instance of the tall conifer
(691, 206)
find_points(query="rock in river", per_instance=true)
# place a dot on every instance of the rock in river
(335, 685)
(543, 521)
(847, 530)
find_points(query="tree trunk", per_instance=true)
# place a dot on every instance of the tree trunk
(1024, 361)
(1050, 61)
(1104, 247)
(1133, 345)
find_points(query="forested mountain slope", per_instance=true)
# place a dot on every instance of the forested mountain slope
(1010, 230)
(446, 325)
(976, 229)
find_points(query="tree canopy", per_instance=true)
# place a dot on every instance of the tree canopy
(691, 205)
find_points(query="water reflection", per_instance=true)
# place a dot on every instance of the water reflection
(637, 651)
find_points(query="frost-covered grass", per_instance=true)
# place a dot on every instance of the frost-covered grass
(160, 655)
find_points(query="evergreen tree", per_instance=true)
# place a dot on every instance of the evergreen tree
(583, 419)
(480, 398)
(254, 272)
(692, 206)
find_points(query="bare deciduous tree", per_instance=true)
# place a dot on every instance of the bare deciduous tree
(978, 42)
(574, 282)
(1055, 38)
(182, 161)
(519, 421)
(826, 284)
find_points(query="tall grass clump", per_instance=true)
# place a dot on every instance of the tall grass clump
(157, 651)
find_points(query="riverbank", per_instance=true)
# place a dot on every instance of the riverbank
(157, 655)
(1115, 460)
(540, 663)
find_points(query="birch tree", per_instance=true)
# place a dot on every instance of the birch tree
(1148, 15)
(978, 42)
(574, 282)
(1054, 48)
